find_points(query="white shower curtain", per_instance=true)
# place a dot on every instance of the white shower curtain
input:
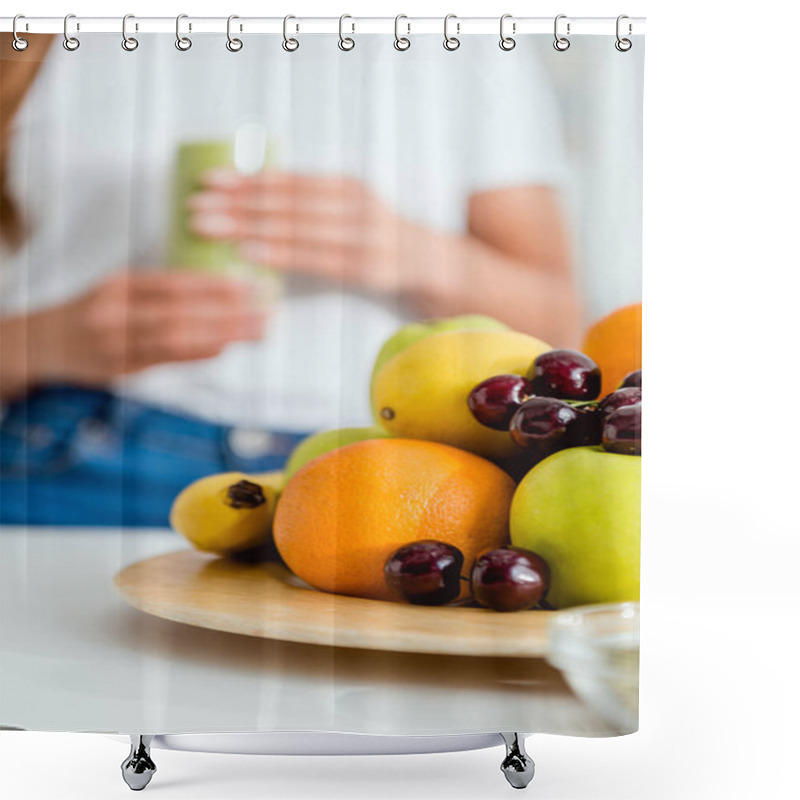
(256, 307)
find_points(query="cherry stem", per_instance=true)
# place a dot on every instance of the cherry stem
(581, 403)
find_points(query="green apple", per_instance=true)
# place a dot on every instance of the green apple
(415, 331)
(324, 441)
(580, 510)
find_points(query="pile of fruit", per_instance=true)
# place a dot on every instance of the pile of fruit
(556, 406)
(500, 472)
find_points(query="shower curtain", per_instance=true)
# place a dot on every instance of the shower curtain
(321, 382)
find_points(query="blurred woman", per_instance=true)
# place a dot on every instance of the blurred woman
(403, 188)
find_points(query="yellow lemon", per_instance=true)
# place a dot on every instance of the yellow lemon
(414, 331)
(421, 393)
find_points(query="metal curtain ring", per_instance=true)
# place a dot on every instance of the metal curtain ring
(289, 44)
(234, 45)
(18, 42)
(70, 43)
(451, 42)
(128, 42)
(401, 42)
(623, 45)
(507, 42)
(346, 42)
(561, 43)
(182, 42)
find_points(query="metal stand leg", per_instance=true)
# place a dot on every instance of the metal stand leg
(517, 766)
(138, 768)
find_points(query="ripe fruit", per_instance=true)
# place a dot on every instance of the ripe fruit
(580, 510)
(422, 392)
(510, 579)
(228, 512)
(344, 513)
(543, 425)
(566, 374)
(632, 379)
(622, 431)
(426, 573)
(494, 401)
(628, 396)
(614, 343)
(324, 441)
(415, 331)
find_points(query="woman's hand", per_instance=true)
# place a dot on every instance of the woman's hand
(331, 226)
(512, 261)
(130, 321)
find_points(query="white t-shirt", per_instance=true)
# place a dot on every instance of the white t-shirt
(91, 160)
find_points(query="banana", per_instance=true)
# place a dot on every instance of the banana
(229, 512)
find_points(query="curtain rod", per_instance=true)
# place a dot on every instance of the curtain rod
(315, 25)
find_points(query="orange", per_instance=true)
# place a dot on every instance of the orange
(615, 344)
(344, 513)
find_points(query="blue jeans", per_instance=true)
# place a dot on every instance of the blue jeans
(72, 456)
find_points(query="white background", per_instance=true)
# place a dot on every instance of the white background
(721, 604)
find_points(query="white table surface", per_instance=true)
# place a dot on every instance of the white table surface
(75, 657)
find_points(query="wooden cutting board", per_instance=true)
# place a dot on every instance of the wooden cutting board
(268, 601)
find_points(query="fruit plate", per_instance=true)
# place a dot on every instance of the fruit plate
(268, 601)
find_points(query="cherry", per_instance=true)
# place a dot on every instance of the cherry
(510, 579)
(566, 374)
(632, 379)
(629, 396)
(426, 572)
(543, 425)
(622, 431)
(494, 401)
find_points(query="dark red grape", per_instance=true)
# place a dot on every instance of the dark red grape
(510, 579)
(622, 431)
(632, 379)
(494, 401)
(426, 572)
(629, 396)
(566, 374)
(543, 425)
